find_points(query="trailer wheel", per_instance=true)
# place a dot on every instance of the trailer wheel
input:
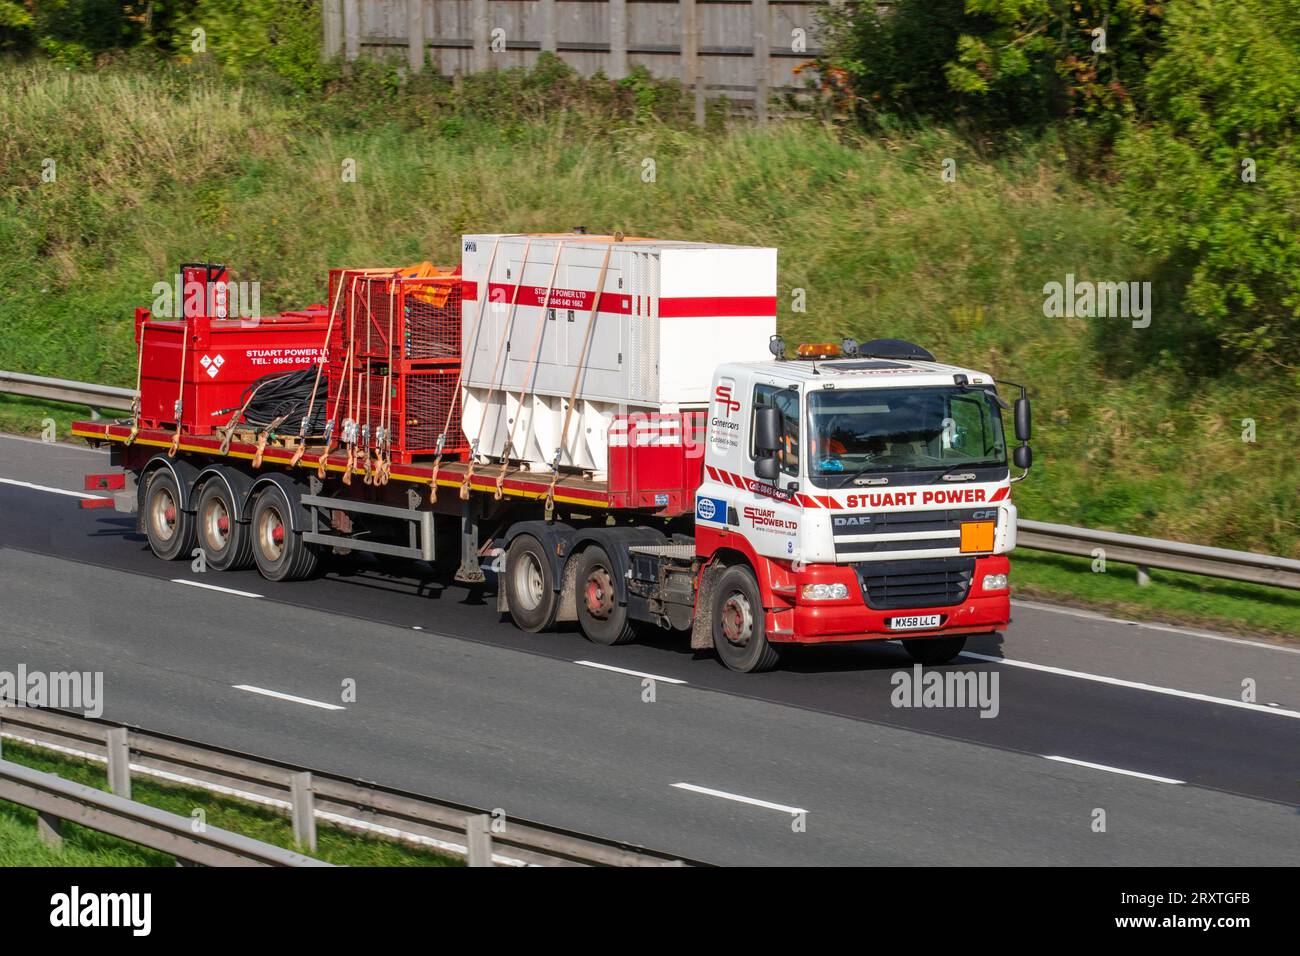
(934, 650)
(602, 619)
(170, 529)
(530, 585)
(279, 552)
(738, 631)
(227, 544)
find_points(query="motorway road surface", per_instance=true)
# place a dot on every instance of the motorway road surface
(1142, 722)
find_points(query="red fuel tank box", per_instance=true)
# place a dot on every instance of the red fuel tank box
(217, 358)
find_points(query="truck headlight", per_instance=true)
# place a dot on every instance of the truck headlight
(995, 582)
(825, 592)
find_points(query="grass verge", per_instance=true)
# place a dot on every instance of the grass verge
(1171, 597)
(19, 845)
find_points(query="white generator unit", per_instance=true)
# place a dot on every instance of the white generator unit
(669, 314)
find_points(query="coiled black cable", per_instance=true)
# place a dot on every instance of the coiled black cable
(281, 399)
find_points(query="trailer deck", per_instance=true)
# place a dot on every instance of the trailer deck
(569, 489)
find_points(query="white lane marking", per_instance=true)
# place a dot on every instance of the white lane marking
(739, 799)
(624, 670)
(55, 444)
(289, 697)
(214, 587)
(1169, 628)
(1102, 766)
(53, 491)
(1136, 685)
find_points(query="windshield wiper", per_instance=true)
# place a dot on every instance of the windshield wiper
(947, 473)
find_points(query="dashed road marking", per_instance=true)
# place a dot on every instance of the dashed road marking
(1102, 766)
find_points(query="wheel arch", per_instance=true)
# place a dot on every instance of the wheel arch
(292, 491)
(239, 487)
(183, 473)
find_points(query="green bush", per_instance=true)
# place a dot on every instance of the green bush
(1212, 182)
(999, 63)
(279, 37)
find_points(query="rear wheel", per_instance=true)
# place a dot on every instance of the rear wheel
(227, 544)
(279, 552)
(170, 529)
(600, 616)
(934, 650)
(738, 631)
(530, 585)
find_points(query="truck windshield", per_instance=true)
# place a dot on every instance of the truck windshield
(935, 428)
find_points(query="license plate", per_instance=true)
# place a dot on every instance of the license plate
(916, 622)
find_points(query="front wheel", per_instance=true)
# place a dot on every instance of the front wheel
(738, 633)
(934, 650)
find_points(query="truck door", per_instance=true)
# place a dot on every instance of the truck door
(768, 515)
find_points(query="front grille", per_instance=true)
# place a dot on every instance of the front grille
(905, 522)
(929, 582)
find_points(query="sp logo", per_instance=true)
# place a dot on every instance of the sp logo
(722, 396)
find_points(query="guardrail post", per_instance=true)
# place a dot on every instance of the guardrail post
(49, 829)
(1144, 576)
(304, 810)
(119, 762)
(478, 840)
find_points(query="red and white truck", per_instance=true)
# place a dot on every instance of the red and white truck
(608, 426)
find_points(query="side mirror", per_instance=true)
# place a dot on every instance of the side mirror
(1023, 422)
(1022, 457)
(767, 468)
(767, 430)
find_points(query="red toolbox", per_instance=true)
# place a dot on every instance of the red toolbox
(217, 358)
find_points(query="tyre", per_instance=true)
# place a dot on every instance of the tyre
(170, 529)
(279, 552)
(934, 650)
(530, 585)
(227, 544)
(602, 619)
(738, 629)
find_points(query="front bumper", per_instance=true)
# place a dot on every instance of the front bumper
(817, 622)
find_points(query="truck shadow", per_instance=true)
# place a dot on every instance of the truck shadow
(874, 655)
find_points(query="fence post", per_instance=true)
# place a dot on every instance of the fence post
(119, 762)
(351, 29)
(304, 810)
(762, 52)
(617, 39)
(49, 829)
(478, 840)
(332, 15)
(415, 35)
(550, 42)
(692, 75)
(479, 30)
